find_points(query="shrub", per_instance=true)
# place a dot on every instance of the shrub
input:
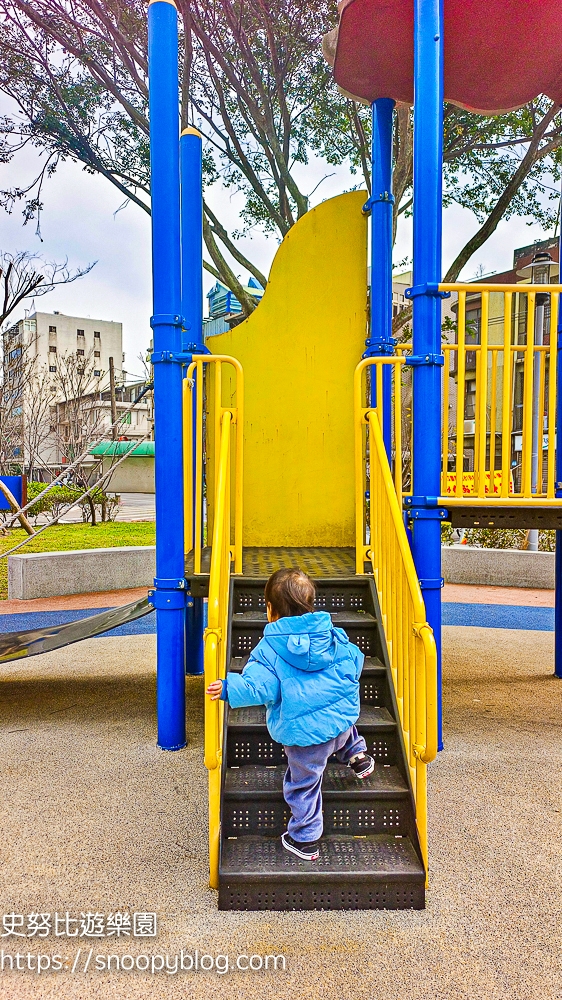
(59, 497)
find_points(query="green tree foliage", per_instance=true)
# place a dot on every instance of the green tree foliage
(253, 79)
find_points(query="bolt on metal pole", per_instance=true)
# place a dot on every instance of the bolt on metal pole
(427, 376)
(169, 597)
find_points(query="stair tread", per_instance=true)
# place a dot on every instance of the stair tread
(377, 855)
(255, 780)
(372, 665)
(255, 716)
(338, 617)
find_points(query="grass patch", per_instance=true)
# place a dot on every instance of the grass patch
(65, 537)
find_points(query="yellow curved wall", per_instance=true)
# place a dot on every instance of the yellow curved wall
(299, 350)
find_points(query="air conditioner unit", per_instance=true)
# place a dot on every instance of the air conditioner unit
(469, 426)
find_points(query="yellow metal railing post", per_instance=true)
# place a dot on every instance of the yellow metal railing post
(528, 366)
(461, 362)
(223, 551)
(507, 409)
(482, 397)
(551, 415)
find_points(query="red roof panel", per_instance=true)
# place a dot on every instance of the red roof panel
(499, 54)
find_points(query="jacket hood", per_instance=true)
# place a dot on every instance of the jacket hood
(308, 642)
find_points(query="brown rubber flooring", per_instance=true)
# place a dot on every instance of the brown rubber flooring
(95, 818)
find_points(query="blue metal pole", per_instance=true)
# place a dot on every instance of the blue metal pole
(427, 374)
(381, 204)
(558, 557)
(191, 170)
(169, 596)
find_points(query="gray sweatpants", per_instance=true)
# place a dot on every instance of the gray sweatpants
(302, 785)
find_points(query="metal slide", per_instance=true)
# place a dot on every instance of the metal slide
(17, 645)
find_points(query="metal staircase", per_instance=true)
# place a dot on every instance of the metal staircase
(370, 856)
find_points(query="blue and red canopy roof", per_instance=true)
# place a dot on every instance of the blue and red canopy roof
(499, 54)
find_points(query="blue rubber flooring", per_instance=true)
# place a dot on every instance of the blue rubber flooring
(480, 615)
(28, 620)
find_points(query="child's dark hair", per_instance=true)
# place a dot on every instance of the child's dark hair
(290, 592)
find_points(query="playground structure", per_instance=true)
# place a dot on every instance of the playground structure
(284, 446)
(300, 457)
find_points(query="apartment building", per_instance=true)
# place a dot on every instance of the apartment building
(34, 408)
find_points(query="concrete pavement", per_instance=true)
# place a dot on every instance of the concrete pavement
(95, 817)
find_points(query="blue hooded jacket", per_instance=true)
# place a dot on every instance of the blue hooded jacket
(306, 673)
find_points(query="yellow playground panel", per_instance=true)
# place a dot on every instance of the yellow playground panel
(298, 351)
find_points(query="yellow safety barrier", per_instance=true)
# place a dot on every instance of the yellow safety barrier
(510, 424)
(222, 552)
(381, 538)
(195, 452)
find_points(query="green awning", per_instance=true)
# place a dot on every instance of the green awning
(118, 448)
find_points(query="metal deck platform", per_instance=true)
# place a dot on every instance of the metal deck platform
(508, 516)
(260, 563)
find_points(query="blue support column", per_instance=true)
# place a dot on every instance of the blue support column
(381, 205)
(427, 357)
(191, 170)
(169, 597)
(558, 557)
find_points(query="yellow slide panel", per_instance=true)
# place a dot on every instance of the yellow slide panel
(299, 350)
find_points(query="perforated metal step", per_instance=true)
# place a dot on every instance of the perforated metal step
(369, 852)
(352, 872)
(248, 741)
(253, 802)
(362, 629)
(255, 780)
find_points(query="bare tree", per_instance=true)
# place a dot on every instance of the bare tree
(77, 415)
(26, 395)
(26, 274)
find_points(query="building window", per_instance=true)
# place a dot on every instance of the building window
(80, 352)
(470, 400)
(79, 371)
(52, 349)
(518, 388)
(96, 354)
(80, 333)
(52, 329)
(97, 373)
(52, 368)
(97, 334)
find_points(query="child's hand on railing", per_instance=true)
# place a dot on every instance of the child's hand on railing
(214, 690)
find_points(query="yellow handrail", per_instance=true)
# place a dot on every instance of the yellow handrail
(223, 553)
(410, 641)
(194, 485)
(215, 637)
(515, 379)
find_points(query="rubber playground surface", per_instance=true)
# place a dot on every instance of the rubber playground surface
(96, 819)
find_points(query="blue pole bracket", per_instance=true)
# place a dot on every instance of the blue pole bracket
(424, 359)
(166, 319)
(430, 288)
(170, 595)
(375, 347)
(179, 357)
(437, 584)
(384, 196)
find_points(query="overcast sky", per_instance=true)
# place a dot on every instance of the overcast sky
(80, 221)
